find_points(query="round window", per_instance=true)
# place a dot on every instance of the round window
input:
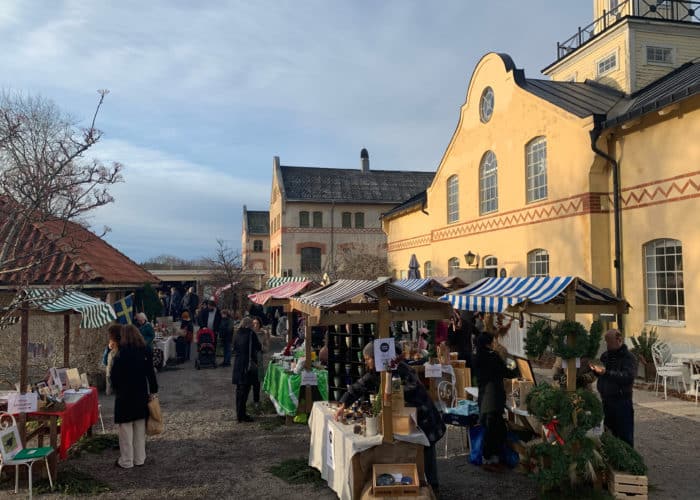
(486, 104)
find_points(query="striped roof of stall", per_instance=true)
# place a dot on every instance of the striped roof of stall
(342, 291)
(281, 280)
(416, 284)
(94, 312)
(497, 294)
(280, 292)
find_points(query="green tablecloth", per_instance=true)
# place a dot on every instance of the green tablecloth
(283, 387)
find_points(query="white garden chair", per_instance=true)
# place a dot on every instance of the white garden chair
(447, 397)
(665, 369)
(13, 453)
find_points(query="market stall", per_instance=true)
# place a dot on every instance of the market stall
(283, 386)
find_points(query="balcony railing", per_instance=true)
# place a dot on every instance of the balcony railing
(666, 10)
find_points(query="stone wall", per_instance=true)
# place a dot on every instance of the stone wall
(46, 348)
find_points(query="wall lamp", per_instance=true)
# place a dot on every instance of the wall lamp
(469, 257)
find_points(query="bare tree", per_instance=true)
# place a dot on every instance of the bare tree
(165, 261)
(47, 185)
(358, 263)
(228, 274)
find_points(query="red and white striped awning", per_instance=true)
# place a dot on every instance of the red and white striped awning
(280, 292)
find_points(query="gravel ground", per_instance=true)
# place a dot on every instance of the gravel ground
(204, 453)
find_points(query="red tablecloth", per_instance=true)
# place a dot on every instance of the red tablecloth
(76, 419)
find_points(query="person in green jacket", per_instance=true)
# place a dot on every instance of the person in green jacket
(146, 329)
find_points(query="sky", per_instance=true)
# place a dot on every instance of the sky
(203, 93)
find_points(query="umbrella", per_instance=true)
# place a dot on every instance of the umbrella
(413, 268)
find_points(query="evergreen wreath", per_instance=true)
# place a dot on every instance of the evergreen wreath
(564, 330)
(595, 336)
(538, 338)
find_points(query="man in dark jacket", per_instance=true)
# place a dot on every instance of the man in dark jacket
(615, 381)
(246, 346)
(175, 305)
(415, 395)
(210, 317)
(190, 301)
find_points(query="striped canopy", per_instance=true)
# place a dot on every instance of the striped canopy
(498, 294)
(94, 313)
(277, 281)
(421, 285)
(280, 292)
(343, 291)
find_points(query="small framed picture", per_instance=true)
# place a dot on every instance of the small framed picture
(73, 376)
(85, 383)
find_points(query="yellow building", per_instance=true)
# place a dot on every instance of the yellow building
(527, 185)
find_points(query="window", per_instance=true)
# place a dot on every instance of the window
(310, 260)
(347, 219)
(663, 269)
(303, 219)
(538, 263)
(488, 184)
(427, 269)
(404, 274)
(452, 199)
(659, 55)
(453, 265)
(318, 219)
(359, 220)
(486, 104)
(257, 246)
(491, 266)
(607, 64)
(536, 169)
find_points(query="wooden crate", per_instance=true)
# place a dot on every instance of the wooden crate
(409, 470)
(628, 486)
(404, 420)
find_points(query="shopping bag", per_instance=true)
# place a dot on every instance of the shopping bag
(476, 443)
(154, 423)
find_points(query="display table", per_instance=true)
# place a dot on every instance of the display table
(345, 459)
(283, 387)
(76, 419)
(167, 348)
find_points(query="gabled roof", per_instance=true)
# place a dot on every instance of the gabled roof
(72, 255)
(258, 222)
(680, 84)
(417, 200)
(313, 184)
(581, 99)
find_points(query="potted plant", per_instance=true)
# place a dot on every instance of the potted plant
(642, 349)
(372, 421)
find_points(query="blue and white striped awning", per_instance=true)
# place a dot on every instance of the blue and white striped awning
(94, 312)
(498, 294)
(421, 284)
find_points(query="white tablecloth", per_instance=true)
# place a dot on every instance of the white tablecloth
(167, 345)
(333, 445)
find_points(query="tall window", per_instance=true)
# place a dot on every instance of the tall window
(452, 199)
(536, 169)
(427, 269)
(663, 268)
(359, 220)
(491, 266)
(538, 262)
(303, 219)
(488, 184)
(257, 246)
(318, 219)
(347, 219)
(453, 265)
(310, 260)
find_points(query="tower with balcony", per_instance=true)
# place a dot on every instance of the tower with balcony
(630, 43)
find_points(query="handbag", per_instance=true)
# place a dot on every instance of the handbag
(154, 423)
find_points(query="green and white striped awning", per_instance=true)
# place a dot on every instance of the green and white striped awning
(277, 281)
(94, 312)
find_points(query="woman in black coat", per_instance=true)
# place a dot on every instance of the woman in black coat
(245, 368)
(490, 372)
(133, 379)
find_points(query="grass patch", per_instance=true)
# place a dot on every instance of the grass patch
(95, 444)
(297, 471)
(73, 482)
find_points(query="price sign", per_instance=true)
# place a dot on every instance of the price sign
(22, 403)
(308, 378)
(433, 371)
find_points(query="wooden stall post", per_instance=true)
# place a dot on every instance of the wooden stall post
(66, 340)
(570, 315)
(383, 326)
(307, 362)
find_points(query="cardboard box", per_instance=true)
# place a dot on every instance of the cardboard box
(404, 420)
(409, 470)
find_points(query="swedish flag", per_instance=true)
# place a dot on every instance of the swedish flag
(124, 309)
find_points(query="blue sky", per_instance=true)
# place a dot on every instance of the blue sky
(204, 94)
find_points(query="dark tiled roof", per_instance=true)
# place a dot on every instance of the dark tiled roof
(72, 255)
(580, 99)
(677, 85)
(258, 222)
(417, 200)
(352, 186)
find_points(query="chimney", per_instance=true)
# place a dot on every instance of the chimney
(364, 160)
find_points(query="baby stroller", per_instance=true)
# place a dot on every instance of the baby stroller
(206, 349)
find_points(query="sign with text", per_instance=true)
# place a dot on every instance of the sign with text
(384, 353)
(22, 403)
(433, 371)
(309, 378)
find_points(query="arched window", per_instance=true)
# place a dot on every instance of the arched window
(347, 219)
(488, 184)
(427, 269)
(538, 262)
(453, 265)
(257, 246)
(490, 264)
(304, 219)
(536, 169)
(452, 199)
(663, 270)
